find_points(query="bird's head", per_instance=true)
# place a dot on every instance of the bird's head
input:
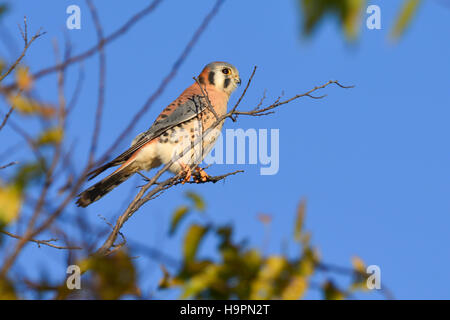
(223, 76)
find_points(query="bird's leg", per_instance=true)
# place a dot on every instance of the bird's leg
(187, 172)
(203, 175)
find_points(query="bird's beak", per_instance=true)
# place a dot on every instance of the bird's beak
(238, 81)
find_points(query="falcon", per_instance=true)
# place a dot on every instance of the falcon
(183, 133)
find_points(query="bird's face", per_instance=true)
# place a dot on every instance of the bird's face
(222, 75)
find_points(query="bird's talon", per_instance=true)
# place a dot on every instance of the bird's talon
(202, 175)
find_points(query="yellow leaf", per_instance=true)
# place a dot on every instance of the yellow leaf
(10, 203)
(360, 277)
(201, 281)
(295, 289)
(28, 106)
(192, 240)
(352, 18)
(197, 200)
(404, 18)
(263, 286)
(51, 136)
(358, 265)
(179, 214)
(308, 262)
(24, 79)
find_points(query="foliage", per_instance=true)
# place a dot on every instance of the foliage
(349, 14)
(243, 272)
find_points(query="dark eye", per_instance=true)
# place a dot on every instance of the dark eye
(225, 71)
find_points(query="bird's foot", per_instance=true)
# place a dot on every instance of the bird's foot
(186, 172)
(200, 175)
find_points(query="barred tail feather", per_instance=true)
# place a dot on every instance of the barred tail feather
(98, 190)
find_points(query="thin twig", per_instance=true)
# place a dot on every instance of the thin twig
(113, 36)
(5, 119)
(166, 80)
(8, 165)
(143, 196)
(101, 82)
(27, 45)
(41, 242)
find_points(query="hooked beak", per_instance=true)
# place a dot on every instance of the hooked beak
(238, 81)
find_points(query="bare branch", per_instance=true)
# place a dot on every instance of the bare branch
(113, 36)
(8, 165)
(5, 119)
(144, 195)
(41, 242)
(166, 80)
(27, 45)
(101, 82)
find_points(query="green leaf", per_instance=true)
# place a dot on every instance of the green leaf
(199, 204)
(113, 275)
(331, 292)
(404, 18)
(28, 173)
(352, 18)
(178, 215)
(347, 12)
(192, 240)
(7, 291)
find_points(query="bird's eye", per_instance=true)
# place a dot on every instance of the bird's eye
(225, 71)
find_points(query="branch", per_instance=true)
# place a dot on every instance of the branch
(166, 80)
(8, 165)
(143, 196)
(27, 45)
(139, 200)
(5, 119)
(113, 36)
(41, 242)
(101, 82)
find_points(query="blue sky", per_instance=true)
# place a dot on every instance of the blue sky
(371, 161)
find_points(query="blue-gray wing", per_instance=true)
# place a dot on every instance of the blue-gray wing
(184, 112)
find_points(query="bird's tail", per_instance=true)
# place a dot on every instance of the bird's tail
(98, 190)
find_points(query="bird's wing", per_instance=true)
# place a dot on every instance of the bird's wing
(184, 112)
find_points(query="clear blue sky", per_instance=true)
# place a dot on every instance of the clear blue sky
(373, 161)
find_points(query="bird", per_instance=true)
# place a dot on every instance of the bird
(183, 133)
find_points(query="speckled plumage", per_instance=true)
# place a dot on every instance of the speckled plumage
(176, 128)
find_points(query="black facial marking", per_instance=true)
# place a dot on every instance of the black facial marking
(226, 83)
(211, 77)
(201, 80)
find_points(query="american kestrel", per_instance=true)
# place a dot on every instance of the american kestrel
(175, 130)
